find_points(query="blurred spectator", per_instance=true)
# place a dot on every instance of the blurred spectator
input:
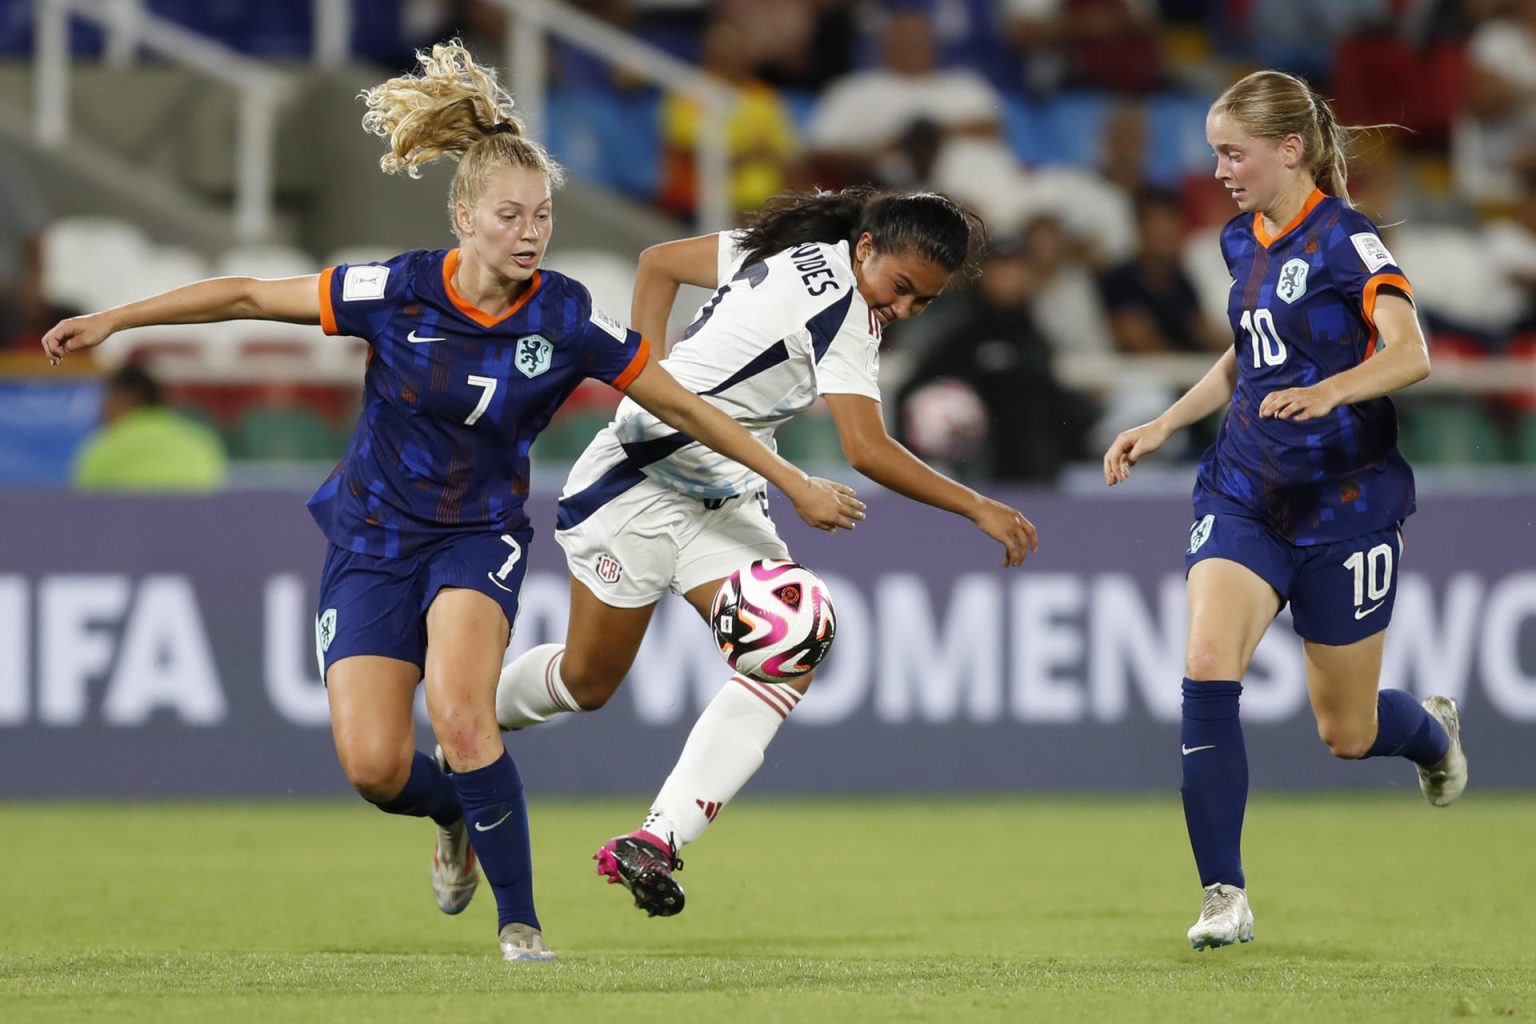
(1066, 304)
(1153, 307)
(1495, 136)
(798, 44)
(1107, 44)
(760, 133)
(145, 446)
(1511, 245)
(995, 354)
(24, 310)
(1299, 35)
(858, 123)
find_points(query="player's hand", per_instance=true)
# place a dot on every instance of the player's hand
(827, 505)
(1128, 448)
(1009, 528)
(1299, 404)
(75, 335)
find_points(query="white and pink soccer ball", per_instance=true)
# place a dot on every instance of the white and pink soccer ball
(773, 620)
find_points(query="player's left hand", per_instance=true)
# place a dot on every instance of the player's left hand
(1299, 404)
(827, 504)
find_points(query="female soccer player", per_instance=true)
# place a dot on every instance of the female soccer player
(1303, 495)
(801, 299)
(472, 350)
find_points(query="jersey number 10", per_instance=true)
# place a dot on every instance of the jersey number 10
(1268, 349)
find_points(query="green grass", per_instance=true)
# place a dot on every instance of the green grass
(1369, 908)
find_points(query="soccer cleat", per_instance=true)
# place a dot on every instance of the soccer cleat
(454, 873)
(523, 942)
(1443, 781)
(1225, 918)
(643, 864)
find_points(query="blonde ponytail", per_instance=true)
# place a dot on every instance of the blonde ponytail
(1273, 104)
(453, 108)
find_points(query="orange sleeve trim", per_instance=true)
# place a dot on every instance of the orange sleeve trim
(327, 311)
(642, 356)
(1368, 302)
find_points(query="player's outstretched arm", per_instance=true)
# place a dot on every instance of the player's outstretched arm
(292, 299)
(1402, 359)
(873, 452)
(823, 504)
(1213, 391)
(661, 271)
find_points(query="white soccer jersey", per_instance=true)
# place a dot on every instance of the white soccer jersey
(774, 337)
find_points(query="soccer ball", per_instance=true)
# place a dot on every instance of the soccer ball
(773, 620)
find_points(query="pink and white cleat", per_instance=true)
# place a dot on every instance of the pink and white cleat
(643, 863)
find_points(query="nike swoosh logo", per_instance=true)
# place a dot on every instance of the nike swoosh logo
(415, 339)
(1361, 613)
(1196, 750)
(486, 828)
(492, 577)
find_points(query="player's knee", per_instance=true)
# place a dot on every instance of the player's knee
(1344, 742)
(377, 776)
(590, 683)
(1206, 662)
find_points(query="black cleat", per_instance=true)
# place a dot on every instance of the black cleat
(643, 864)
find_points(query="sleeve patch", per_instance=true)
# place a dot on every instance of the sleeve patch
(609, 324)
(365, 282)
(1372, 252)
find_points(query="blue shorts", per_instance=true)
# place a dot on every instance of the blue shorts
(1338, 593)
(374, 605)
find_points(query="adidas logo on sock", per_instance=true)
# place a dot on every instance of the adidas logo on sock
(710, 808)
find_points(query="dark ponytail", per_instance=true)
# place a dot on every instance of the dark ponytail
(931, 224)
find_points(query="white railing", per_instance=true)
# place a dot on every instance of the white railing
(130, 28)
(532, 20)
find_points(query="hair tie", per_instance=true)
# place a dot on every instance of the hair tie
(502, 128)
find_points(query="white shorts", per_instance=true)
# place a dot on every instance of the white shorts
(649, 539)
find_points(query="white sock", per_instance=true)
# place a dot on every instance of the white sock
(723, 751)
(531, 691)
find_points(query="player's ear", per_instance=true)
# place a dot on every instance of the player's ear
(463, 219)
(864, 248)
(1294, 149)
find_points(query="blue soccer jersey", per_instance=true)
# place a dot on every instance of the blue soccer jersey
(1302, 306)
(453, 398)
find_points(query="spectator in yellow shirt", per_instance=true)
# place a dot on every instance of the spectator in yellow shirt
(760, 132)
(145, 446)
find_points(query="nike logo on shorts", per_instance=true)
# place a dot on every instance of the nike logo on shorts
(1361, 613)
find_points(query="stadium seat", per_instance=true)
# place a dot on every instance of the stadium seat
(285, 434)
(811, 439)
(84, 256)
(1450, 432)
(567, 436)
(1453, 276)
(351, 255)
(615, 139)
(609, 277)
(265, 261)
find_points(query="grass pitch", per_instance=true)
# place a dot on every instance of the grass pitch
(1369, 908)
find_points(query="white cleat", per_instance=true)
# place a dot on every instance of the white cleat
(1443, 781)
(455, 875)
(1225, 918)
(523, 942)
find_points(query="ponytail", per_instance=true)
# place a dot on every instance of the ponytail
(453, 108)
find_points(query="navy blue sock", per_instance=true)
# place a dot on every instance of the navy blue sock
(498, 829)
(1215, 788)
(428, 793)
(1405, 729)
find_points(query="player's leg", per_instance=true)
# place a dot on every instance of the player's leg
(621, 557)
(467, 634)
(1343, 602)
(1231, 604)
(727, 744)
(370, 643)
(581, 674)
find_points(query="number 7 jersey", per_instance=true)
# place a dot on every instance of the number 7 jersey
(1302, 308)
(453, 398)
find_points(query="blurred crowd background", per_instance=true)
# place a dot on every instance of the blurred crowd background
(1075, 127)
